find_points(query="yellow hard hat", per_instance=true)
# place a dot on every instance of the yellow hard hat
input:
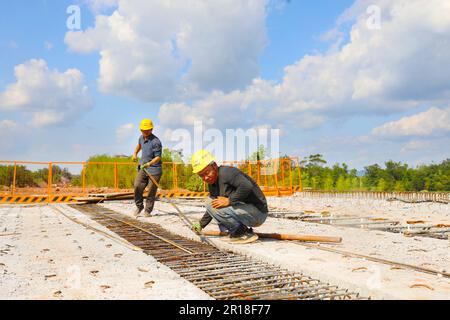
(200, 160)
(146, 124)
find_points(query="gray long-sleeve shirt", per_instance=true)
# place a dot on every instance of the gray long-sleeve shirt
(237, 187)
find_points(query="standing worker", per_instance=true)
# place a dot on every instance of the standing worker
(151, 162)
(237, 203)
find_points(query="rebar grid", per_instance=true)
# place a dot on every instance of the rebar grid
(222, 275)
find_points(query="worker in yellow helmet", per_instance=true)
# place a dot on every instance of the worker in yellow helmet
(151, 162)
(236, 201)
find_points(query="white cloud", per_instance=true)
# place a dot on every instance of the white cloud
(177, 113)
(124, 132)
(48, 96)
(434, 122)
(415, 145)
(394, 68)
(403, 65)
(426, 150)
(162, 50)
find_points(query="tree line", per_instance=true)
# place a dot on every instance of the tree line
(393, 176)
(33, 178)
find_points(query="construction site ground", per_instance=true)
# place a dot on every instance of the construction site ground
(49, 256)
(45, 253)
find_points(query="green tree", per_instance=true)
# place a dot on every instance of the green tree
(381, 186)
(315, 183)
(342, 184)
(313, 160)
(328, 183)
(399, 187)
(355, 183)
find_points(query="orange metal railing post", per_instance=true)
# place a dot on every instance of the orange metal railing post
(258, 168)
(50, 180)
(300, 184)
(177, 185)
(116, 178)
(13, 190)
(276, 179)
(174, 176)
(290, 175)
(265, 178)
(282, 171)
(83, 178)
(300, 177)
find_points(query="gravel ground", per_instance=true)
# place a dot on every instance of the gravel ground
(44, 255)
(396, 210)
(378, 280)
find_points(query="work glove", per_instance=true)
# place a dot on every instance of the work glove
(145, 165)
(196, 227)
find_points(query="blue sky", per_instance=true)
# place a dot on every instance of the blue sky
(294, 30)
(349, 97)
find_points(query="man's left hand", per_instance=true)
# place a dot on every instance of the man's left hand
(220, 202)
(196, 227)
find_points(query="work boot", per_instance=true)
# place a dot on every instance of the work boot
(137, 211)
(232, 233)
(147, 214)
(238, 230)
(248, 237)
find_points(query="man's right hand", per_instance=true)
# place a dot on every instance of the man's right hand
(196, 227)
(134, 157)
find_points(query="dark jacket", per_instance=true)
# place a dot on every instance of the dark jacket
(237, 187)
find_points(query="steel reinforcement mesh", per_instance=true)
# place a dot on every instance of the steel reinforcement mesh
(222, 275)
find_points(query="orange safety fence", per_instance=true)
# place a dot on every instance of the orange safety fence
(21, 178)
(277, 176)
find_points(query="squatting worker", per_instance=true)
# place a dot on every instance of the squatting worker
(236, 201)
(151, 162)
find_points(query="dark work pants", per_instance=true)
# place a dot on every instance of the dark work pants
(140, 183)
(232, 217)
